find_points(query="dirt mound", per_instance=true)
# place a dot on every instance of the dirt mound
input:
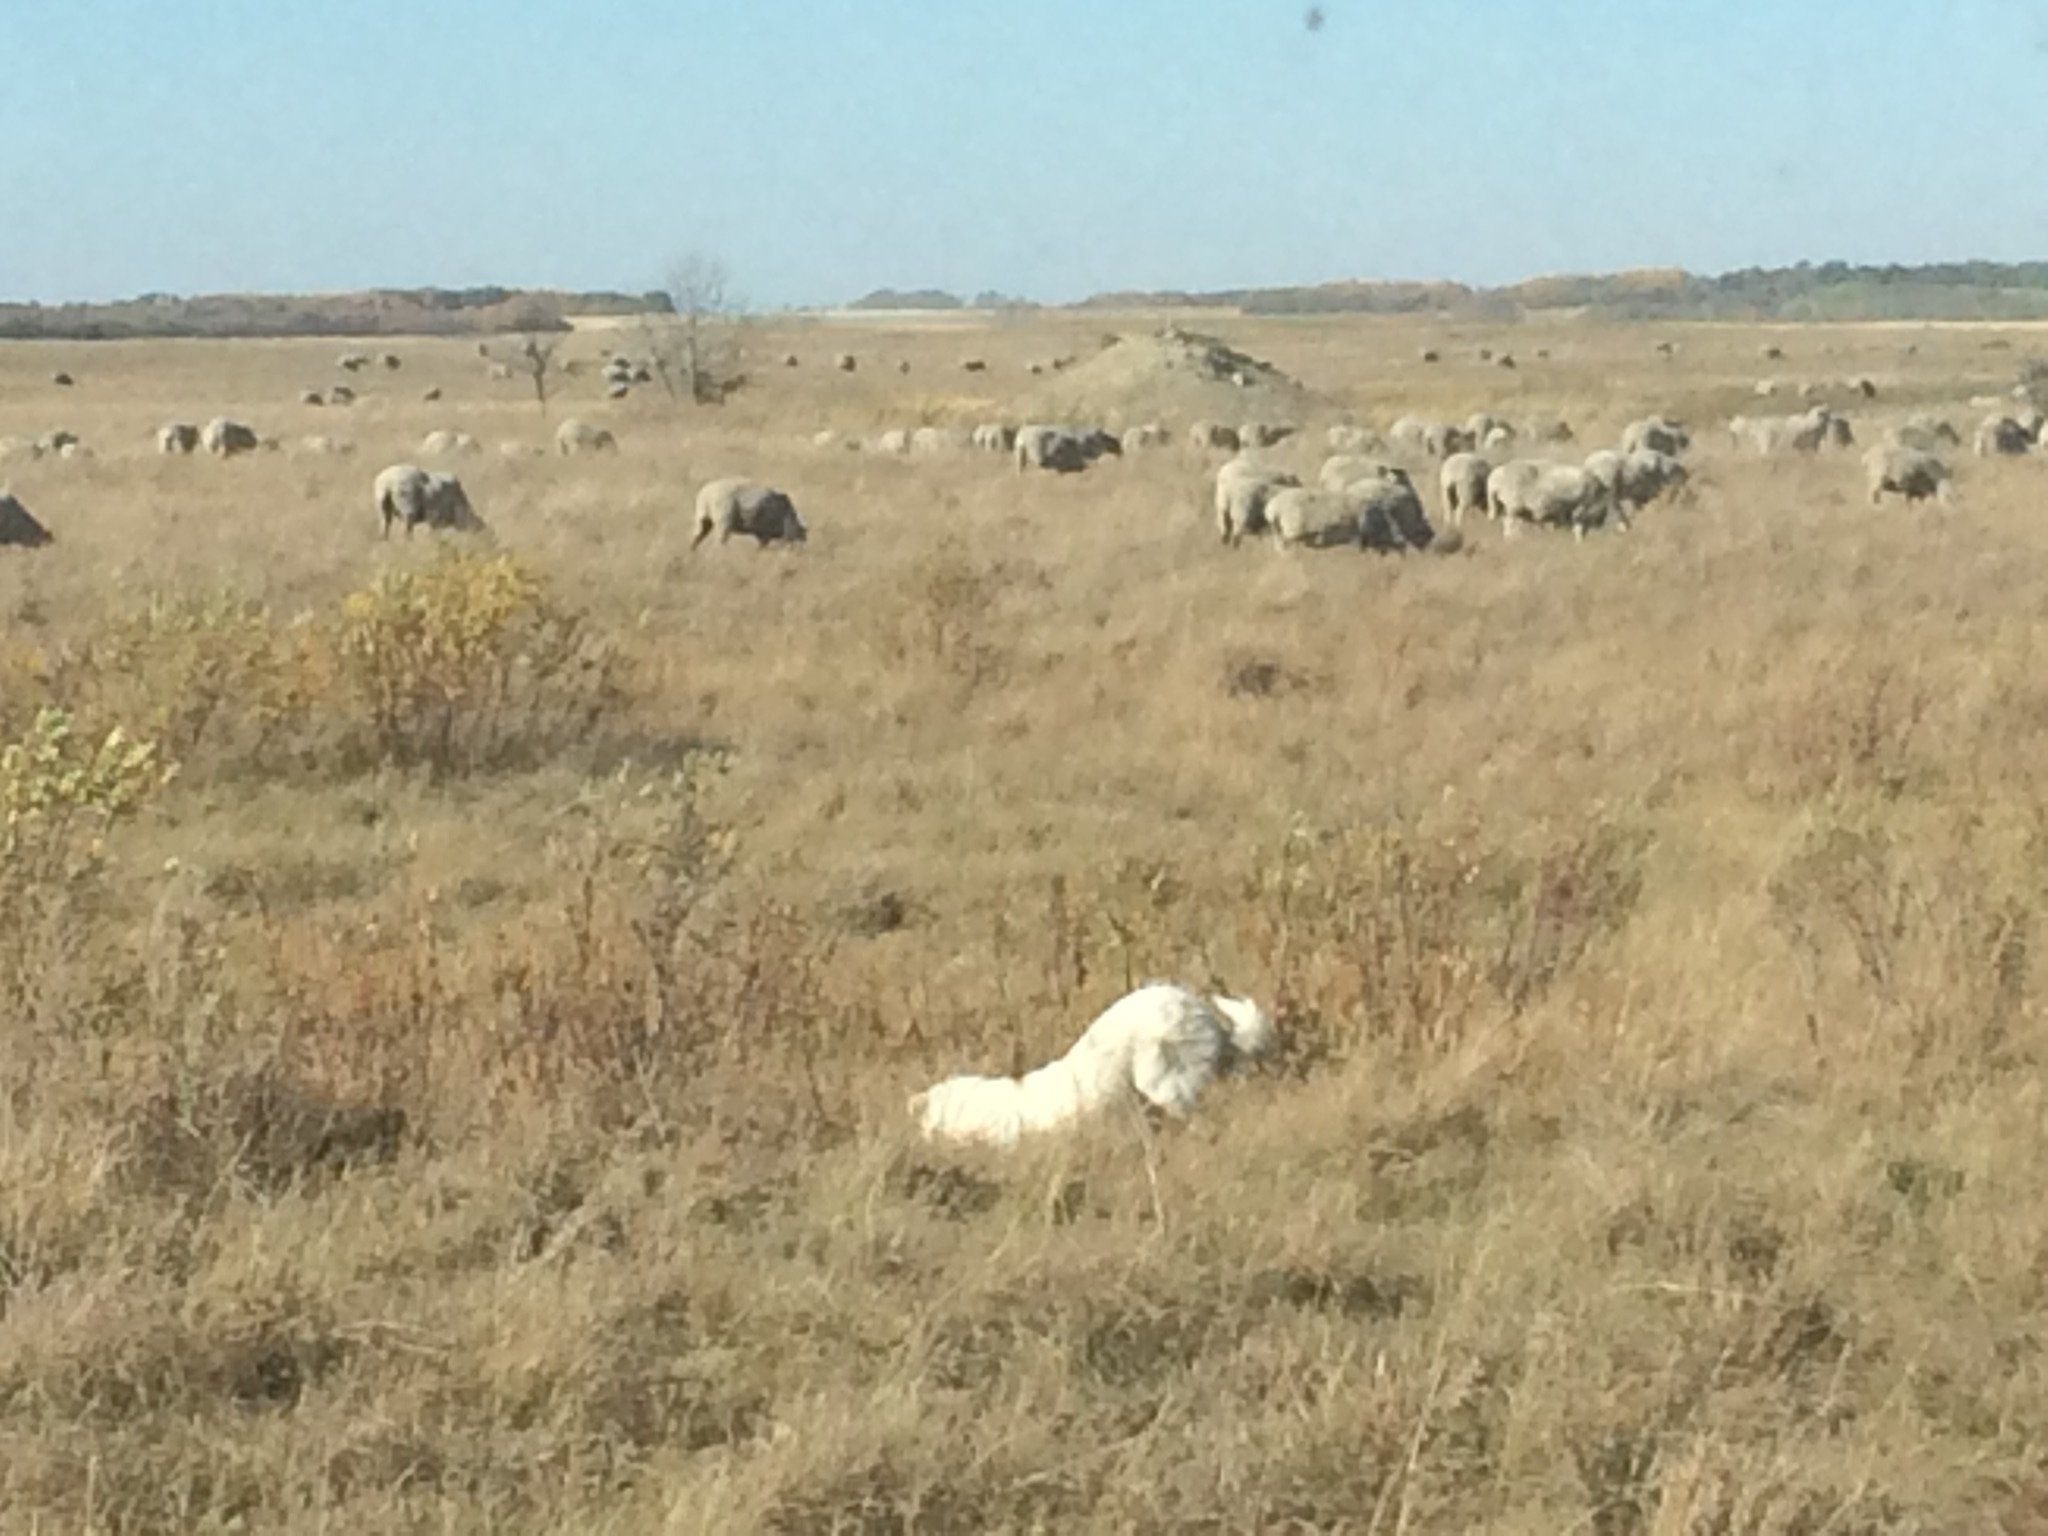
(18, 528)
(1171, 375)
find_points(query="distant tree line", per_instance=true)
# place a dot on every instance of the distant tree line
(379, 312)
(1833, 290)
(1809, 291)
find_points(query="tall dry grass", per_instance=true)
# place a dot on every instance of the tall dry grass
(468, 1093)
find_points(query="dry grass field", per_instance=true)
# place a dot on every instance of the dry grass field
(468, 1093)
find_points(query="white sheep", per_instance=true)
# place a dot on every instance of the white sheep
(1163, 1041)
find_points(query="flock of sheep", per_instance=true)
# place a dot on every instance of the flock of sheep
(1364, 494)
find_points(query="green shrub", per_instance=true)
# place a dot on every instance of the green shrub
(467, 663)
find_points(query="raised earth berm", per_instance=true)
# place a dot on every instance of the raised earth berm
(17, 528)
(1169, 375)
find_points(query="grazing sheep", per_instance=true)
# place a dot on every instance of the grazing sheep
(18, 529)
(1482, 424)
(1350, 439)
(1643, 476)
(1912, 473)
(931, 440)
(1390, 513)
(845, 363)
(1264, 434)
(1162, 1044)
(973, 365)
(431, 394)
(1658, 433)
(1147, 434)
(895, 440)
(224, 438)
(1342, 469)
(2001, 435)
(341, 394)
(1061, 449)
(1389, 509)
(177, 437)
(392, 362)
(1498, 443)
(1429, 355)
(61, 380)
(574, 436)
(1242, 490)
(1604, 465)
(405, 493)
(1321, 519)
(1925, 431)
(1462, 480)
(735, 505)
(443, 442)
(351, 362)
(1807, 432)
(995, 437)
(1432, 439)
(1554, 495)
(1214, 435)
(311, 397)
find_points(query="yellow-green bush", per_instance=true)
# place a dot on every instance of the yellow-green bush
(207, 673)
(60, 791)
(466, 663)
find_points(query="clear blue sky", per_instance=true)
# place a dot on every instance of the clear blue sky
(1048, 147)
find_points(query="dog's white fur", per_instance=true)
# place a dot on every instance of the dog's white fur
(1164, 1042)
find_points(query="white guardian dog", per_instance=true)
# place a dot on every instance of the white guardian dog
(1164, 1042)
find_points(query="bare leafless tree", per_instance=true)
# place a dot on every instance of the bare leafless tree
(536, 359)
(699, 353)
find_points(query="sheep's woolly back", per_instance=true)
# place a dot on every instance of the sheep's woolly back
(1163, 1041)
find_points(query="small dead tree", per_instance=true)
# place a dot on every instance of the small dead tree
(536, 359)
(697, 351)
